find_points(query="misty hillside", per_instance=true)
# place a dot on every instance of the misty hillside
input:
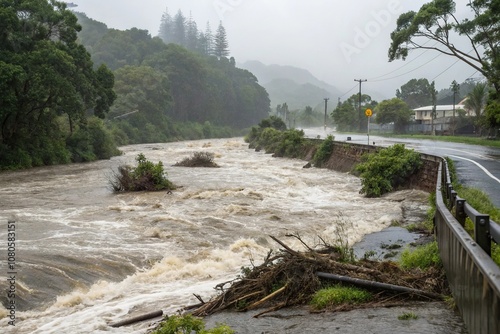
(297, 96)
(295, 86)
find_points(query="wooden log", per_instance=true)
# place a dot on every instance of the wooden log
(263, 300)
(138, 318)
(378, 285)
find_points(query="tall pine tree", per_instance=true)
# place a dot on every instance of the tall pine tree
(179, 29)
(221, 46)
(166, 26)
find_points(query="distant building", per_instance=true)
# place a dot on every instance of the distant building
(443, 119)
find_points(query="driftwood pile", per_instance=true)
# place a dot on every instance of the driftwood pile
(290, 278)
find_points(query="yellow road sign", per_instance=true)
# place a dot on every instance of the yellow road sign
(368, 113)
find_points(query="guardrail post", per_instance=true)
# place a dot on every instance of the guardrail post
(482, 232)
(452, 199)
(460, 211)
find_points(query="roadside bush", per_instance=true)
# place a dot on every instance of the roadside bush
(273, 123)
(387, 169)
(146, 176)
(324, 152)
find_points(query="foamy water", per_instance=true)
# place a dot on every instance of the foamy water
(87, 257)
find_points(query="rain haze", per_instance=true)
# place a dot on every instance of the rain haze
(335, 41)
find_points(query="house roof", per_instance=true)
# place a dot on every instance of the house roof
(441, 107)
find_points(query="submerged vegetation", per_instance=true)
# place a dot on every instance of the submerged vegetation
(199, 159)
(147, 176)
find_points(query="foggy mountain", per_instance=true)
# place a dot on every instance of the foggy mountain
(295, 86)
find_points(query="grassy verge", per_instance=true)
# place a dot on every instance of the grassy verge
(450, 139)
(479, 201)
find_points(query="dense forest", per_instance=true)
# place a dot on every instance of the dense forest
(73, 89)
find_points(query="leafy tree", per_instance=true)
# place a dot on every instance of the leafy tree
(221, 45)
(476, 102)
(46, 78)
(436, 27)
(346, 115)
(93, 32)
(393, 111)
(130, 47)
(416, 93)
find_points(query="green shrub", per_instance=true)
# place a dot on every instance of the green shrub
(146, 176)
(188, 324)
(324, 152)
(337, 295)
(387, 169)
(199, 159)
(291, 144)
(422, 257)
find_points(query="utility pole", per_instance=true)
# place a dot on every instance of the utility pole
(455, 87)
(326, 104)
(359, 101)
(433, 94)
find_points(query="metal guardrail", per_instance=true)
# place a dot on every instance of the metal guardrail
(473, 276)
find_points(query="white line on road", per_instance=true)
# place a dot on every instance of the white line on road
(479, 165)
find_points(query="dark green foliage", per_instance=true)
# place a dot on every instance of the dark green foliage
(347, 115)
(48, 84)
(147, 176)
(387, 169)
(273, 122)
(324, 152)
(199, 159)
(394, 111)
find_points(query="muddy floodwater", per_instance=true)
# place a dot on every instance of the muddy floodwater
(86, 257)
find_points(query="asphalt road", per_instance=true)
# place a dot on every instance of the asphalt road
(477, 166)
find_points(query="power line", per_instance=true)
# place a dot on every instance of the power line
(400, 75)
(406, 63)
(350, 90)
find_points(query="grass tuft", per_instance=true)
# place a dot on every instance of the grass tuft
(337, 295)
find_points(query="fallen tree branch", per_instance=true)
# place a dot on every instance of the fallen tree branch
(263, 300)
(138, 318)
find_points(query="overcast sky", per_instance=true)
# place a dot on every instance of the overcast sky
(337, 41)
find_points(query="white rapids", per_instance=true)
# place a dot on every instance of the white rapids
(87, 257)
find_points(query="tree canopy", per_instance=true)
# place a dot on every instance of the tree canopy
(45, 77)
(416, 93)
(436, 27)
(346, 115)
(393, 111)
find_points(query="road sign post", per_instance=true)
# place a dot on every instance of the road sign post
(368, 113)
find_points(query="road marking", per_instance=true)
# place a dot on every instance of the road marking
(479, 165)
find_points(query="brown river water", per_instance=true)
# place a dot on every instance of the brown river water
(86, 256)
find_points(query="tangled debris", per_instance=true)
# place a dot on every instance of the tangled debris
(290, 278)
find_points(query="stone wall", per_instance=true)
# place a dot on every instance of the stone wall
(346, 155)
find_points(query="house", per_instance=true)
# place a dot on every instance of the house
(444, 120)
